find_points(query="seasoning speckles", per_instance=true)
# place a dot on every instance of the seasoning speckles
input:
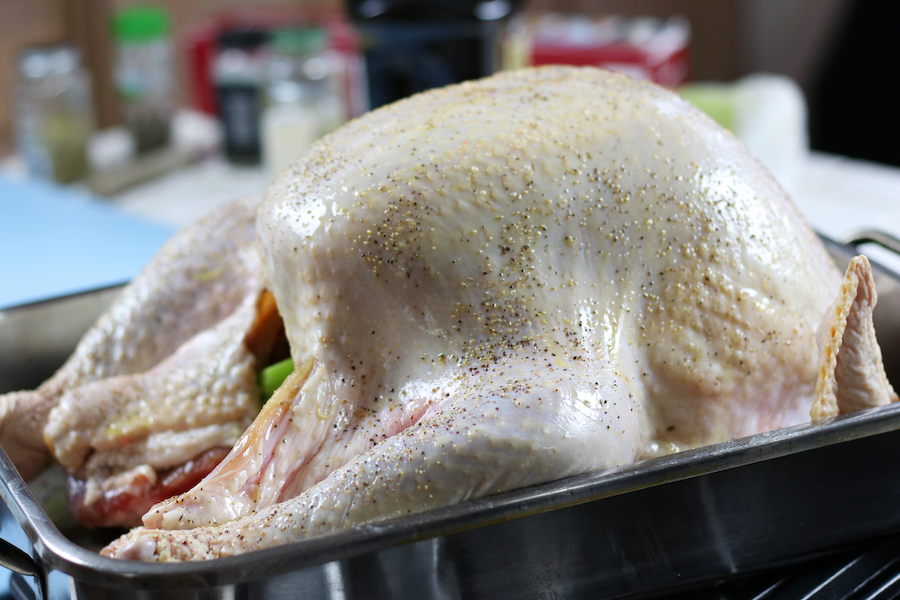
(163, 378)
(534, 275)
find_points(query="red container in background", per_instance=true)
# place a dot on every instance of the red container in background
(201, 47)
(643, 47)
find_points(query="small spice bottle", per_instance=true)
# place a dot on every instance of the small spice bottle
(54, 117)
(144, 74)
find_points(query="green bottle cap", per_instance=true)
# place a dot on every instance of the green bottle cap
(140, 24)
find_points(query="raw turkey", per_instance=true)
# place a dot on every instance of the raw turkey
(161, 387)
(510, 281)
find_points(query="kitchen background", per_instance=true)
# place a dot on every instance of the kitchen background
(121, 121)
(728, 39)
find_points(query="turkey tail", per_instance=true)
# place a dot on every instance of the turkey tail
(851, 371)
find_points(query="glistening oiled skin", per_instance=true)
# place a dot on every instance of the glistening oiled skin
(565, 269)
(199, 277)
(119, 436)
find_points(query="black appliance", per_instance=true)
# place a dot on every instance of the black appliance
(413, 45)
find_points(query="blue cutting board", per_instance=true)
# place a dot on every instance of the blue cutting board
(56, 241)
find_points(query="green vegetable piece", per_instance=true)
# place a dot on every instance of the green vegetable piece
(717, 100)
(271, 378)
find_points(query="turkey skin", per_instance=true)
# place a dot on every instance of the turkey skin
(506, 282)
(160, 388)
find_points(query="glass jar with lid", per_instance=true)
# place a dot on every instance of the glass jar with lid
(54, 116)
(304, 101)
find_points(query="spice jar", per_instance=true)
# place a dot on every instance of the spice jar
(238, 72)
(144, 74)
(54, 119)
(303, 98)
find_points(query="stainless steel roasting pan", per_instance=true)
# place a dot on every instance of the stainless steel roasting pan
(656, 526)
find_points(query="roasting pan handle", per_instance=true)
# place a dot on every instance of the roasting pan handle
(12, 557)
(873, 236)
(16, 560)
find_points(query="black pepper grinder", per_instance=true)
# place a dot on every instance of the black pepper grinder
(238, 72)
